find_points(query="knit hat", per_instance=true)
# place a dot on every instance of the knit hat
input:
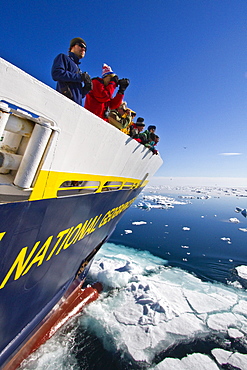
(140, 121)
(77, 40)
(106, 70)
(151, 128)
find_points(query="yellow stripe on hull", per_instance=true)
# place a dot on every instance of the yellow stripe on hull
(50, 182)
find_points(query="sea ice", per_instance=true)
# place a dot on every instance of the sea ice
(161, 202)
(235, 220)
(156, 307)
(222, 321)
(240, 307)
(196, 361)
(186, 228)
(235, 333)
(137, 223)
(236, 359)
(242, 229)
(242, 271)
(128, 231)
(225, 239)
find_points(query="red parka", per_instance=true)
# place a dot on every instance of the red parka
(100, 97)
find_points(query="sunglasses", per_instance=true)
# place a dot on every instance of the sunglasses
(82, 46)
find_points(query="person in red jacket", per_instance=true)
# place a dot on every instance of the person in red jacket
(100, 99)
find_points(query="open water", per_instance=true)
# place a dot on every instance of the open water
(174, 297)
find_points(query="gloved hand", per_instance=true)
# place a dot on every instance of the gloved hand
(115, 79)
(85, 78)
(87, 81)
(123, 84)
(88, 86)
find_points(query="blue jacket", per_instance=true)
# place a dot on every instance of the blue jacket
(66, 72)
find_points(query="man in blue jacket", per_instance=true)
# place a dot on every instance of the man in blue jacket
(66, 72)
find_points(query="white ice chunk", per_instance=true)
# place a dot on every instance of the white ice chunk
(186, 324)
(196, 361)
(113, 279)
(234, 220)
(240, 307)
(137, 223)
(186, 228)
(222, 356)
(236, 359)
(168, 364)
(222, 321)
(242, 271)
(211, 302)
(243, 229)
(235, 333)
(224, 238)
(128, 231)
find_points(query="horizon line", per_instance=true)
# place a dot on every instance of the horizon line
(201, 180)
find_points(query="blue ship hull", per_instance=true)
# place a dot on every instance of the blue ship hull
(43, 245)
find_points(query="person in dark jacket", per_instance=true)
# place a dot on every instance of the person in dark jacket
(100, 99)
(136, 128)
(66, 72)
(148, 135)
(149, 139)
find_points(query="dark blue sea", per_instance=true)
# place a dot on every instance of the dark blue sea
(175, 277)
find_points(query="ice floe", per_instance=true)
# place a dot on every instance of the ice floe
(235, 333)
(128, 231)
(226, 239)
(224, 357)
(242, 271)
(158, 202)
(155, 308)
(196, 361)
(186, 228)
(137, 223)
(234, 220)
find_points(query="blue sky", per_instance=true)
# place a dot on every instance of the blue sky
(186, 60)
